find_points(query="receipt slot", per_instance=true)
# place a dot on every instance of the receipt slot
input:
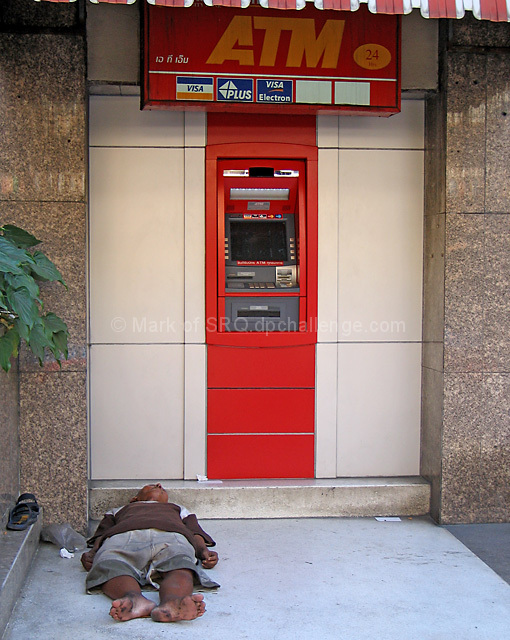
(261, 302)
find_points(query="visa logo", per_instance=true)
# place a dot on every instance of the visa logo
(274, 85)
(195, 88)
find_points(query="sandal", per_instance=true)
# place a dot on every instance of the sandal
(20, 517)
(30, 500)
(24, 513)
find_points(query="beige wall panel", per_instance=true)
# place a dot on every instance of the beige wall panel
(328, 246)
(327, 131)
(404, 130)
(379, 409)
(136, 415)
(195, 384)
(326, 411)
(113, 43)
(195, 129)
(136, 245)
(116, 121)
(419, 52)
(381, 245)
(194, 254)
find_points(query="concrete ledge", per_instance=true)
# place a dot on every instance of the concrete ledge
(349, 497)
(17, 549)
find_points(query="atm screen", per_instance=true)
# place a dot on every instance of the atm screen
(261, 240)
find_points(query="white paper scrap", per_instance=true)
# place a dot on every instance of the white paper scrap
(205, 480)
(64, 553)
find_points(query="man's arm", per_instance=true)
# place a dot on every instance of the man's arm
(209, 558)
(87, 558)
(191, 522)
(202, 540)
(95, 541)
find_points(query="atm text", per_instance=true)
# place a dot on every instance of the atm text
(304, 44)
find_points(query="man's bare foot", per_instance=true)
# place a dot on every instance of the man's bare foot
(187, 608)
(130, 606)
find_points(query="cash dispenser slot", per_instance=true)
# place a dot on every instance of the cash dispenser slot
(251, 312)
(262, 314)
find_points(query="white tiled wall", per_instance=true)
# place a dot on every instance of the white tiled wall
(116, 121)
(136, 245)
(378, 412)
(147, 355)
(380, 245)
(147, 317)
(136, 411)
(370, 290)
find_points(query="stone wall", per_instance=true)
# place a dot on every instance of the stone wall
(9, 441)
(466, 425)
(43, 189)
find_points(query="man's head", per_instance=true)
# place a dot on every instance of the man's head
(151, 492)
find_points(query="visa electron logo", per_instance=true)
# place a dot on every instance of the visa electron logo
(304, 45)
(274, 90)
(239, 90)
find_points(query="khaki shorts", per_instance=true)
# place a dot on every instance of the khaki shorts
(144, 554)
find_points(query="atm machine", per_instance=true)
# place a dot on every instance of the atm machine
(261, 304)
(261, 227)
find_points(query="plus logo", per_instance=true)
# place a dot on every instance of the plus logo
(238, 90)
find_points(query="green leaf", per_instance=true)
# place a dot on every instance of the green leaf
(19, 237)
(22, 328)
(23, 305)
(45, 268)
(7, 265)
(24, 280)
(60, 341)
(8, 347)
(3, 301)
(9, 250)
(37, 341)
(53, 323)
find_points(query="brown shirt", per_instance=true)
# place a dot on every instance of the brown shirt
(149, 515)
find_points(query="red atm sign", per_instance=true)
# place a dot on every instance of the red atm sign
(261, 60)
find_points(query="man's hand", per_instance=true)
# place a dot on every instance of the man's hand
(87, 559)
(209, 559)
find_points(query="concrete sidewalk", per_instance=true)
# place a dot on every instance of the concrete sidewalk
(299, 579)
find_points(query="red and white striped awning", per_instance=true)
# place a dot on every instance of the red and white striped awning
(494, 10)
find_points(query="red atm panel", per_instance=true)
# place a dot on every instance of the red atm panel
(260, 456)
(260, 410)
(255, 367)
(261, 297)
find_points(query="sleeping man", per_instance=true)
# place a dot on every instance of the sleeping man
(150, 539)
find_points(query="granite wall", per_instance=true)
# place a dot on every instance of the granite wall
(43, 189)
(466, 400)
(9, 441)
